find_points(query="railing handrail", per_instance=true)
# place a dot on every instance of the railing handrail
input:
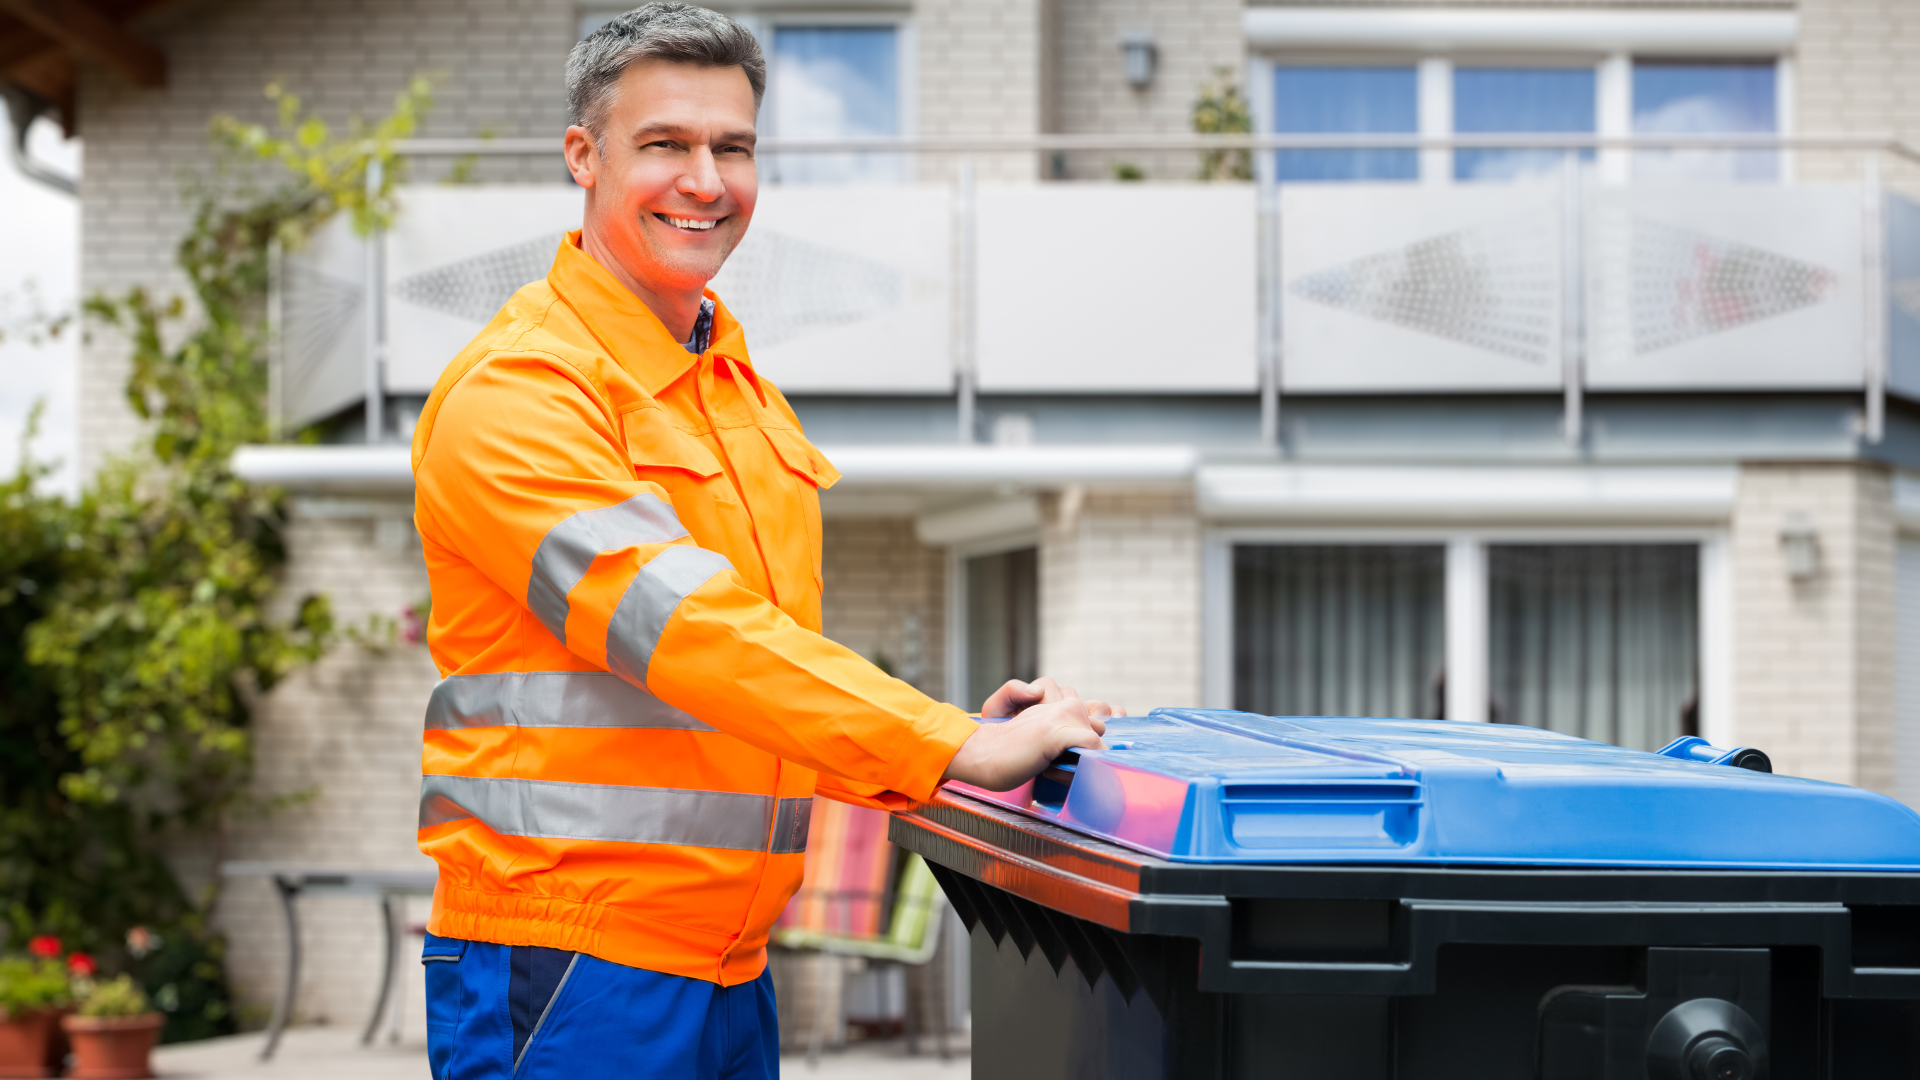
(981, 144)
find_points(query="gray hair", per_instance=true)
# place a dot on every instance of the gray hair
(682, 33)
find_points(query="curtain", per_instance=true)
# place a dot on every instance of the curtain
(1599, 641)
(1339, 630)
(1003, 621)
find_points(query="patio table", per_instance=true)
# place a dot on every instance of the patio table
(291, 881)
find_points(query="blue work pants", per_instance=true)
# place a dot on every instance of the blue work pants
(496, 1012)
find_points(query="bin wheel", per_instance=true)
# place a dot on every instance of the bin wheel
(1707, 1039)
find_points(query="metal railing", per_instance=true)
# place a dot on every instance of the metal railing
(964, 152)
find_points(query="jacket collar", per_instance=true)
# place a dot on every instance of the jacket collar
(628, 329)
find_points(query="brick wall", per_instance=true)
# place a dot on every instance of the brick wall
(1120, 596)
(498, 63)
(1854, 75)
(980, 73)
(885, 595)
(1813, 660)
(346, 736)
(1088, 75)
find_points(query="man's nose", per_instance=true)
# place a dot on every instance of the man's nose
(702, 176)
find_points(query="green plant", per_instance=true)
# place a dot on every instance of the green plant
(1221, 110)
(29, 983)
(139, 623)
(118, 996)
(1128, 172)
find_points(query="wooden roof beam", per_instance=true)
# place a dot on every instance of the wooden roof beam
(83, 29)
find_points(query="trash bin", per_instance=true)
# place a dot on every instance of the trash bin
(1221, 894)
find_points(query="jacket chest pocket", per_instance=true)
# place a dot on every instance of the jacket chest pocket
(686, 467)
(808, 472)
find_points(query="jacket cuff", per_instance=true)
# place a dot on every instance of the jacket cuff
(937, 736)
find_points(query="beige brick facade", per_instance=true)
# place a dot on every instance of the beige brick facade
(344, 735)
(1089, 83)
(1813, 659)
(980, 74)
(1120, 596)
(497, 66)
(885, 597)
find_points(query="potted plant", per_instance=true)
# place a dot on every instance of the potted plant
(34, 991)
(113, 1031)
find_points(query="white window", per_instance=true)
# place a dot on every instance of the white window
(1595, 640)
(1485, 94)
(1706, 98)
(1607, 638)
(1340, 629)
(832, 79)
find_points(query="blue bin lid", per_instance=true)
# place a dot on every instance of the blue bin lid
(1216, 786)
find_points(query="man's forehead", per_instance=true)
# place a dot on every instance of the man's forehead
(668, 94)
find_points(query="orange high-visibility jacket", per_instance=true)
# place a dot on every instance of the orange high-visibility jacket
(623, 543)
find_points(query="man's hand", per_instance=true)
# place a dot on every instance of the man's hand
(1002, 756)
(1015, 696)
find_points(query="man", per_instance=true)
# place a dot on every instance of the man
(622, 531)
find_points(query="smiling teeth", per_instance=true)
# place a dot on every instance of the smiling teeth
(691, 223)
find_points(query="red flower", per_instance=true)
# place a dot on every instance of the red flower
(45, 945)
(81, 965)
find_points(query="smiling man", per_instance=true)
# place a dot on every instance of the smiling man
(621, 525)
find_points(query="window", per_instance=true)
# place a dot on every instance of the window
(1515, 100)
(829, 82)
(1002, 621)
(1708, 99)
(1339, 630)
(1596, 640)
(1346, 100)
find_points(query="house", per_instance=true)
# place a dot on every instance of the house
(1620, 440)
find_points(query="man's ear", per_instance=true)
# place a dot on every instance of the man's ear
(582, 155)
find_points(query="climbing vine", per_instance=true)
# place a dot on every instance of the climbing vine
(140, 619)
(1222, 110)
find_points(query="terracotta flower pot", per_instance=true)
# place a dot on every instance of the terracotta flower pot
(112, 1047)
(30, 1044)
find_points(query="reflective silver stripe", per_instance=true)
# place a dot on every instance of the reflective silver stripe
(436, 809)
(634, 630)
(579, 699)
(790, 823)
(629, 815)
(569, 548)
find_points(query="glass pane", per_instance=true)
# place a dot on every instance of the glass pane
(1705, 99)
(1345, 100)
(1599, 641)
(1339, 631)
(1003, 621)
(832, 81)
(1510, 101)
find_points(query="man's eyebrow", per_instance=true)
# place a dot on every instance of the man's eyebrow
(650, 131)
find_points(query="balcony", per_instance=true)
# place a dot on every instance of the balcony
(1574, 281)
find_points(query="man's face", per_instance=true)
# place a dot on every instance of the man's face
(671, 184)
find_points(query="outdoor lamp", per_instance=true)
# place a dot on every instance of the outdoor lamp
(1137, 44)
(1800, 546)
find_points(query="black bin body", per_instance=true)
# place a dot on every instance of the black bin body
(1094, 958)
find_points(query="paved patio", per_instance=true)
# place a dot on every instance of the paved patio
(330, 1053)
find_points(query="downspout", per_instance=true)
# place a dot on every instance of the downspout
(22, 109)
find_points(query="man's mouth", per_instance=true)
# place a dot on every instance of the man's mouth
(694, 224)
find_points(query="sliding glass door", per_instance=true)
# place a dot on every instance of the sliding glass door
(1596, 640)
(1348, 630)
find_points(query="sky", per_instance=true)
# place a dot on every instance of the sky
(39, 273)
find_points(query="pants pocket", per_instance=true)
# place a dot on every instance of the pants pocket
(442, 958)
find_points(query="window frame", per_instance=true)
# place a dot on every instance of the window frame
(906, 62)
(1613, 94)
(1467, 617)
